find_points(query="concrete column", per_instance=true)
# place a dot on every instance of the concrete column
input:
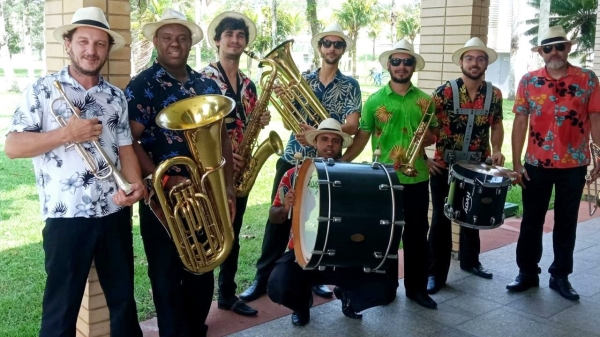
(445, 27)
(93, 319)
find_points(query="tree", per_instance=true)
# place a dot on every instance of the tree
(9, 74)
(376, 26)
(409, 22)
(354, 15)
(514, 48)
(315, 25)
(577, 17)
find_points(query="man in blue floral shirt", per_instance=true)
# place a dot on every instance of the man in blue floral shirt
(340, 96)
(182, 299)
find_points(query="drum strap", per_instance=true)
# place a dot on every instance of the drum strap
(471, 113)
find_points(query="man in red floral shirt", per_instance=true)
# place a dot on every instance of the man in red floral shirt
(467, 109)
(560, 103)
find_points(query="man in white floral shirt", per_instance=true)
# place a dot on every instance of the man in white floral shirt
(86, 217)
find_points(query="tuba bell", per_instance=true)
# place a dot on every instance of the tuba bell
(196, 212)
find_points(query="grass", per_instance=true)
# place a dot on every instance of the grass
(23, 72)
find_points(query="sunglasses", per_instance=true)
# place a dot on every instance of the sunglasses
(547, 49)
(409, 62)
(336, 44)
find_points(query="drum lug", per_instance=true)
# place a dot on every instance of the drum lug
(384, 187)
(379, 271)
(330, 161)
(393, 257)
(462, 185)
(366, 269)
(480, 190)
(498, 191)
(399, 223)
(398, 187)
(326, 219)
(378, 255)
(384, 222)
(492, 221)
(337, 183)
(321, 268)
(330, 252)
(474, 219)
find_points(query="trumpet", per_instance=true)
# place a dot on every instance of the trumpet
(595, 154)
(407, 166)
(100, 173)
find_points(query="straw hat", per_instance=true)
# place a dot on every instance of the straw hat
(215, 22)
(475, 43)
(170, 17)
(405, 47)
(553, 35)
(328, 125)
(89, 17)
(333, 29)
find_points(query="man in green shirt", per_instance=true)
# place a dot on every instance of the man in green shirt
(390, 119)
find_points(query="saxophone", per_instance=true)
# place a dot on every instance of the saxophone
(256, 156)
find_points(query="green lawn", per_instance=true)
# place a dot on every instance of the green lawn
(21, 268)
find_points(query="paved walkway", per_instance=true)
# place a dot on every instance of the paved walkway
(468, 306)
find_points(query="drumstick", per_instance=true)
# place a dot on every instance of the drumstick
(298, 157)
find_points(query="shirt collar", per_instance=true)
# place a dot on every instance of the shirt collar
(161, 72)
(389, 91)
(66, 78)
(338, 74)
(570, 71)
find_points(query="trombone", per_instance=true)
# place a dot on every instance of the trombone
(88, 159)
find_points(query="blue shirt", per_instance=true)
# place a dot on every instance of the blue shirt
(151, 91)
(340, 98)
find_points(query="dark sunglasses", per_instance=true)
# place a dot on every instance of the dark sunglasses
(547, 49)
(336, 44)
(409, 62)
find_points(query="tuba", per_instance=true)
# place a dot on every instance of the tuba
(254, 156)
(407, 166)
(197, 212)
(298, 103)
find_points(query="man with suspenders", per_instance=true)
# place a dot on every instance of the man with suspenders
(467, 109)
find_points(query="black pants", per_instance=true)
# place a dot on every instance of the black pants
(568, 184)
(440, 234)
(414, 238)
(276, 235)
(227, 285)
(290, 285)
(182, 299)
(70, 244)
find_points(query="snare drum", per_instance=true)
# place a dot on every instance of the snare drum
(347, 215)
(477, 194)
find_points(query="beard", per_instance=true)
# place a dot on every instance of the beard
(335, 60)
(473, 77)
(79, 68)
(399, 79)
(555, 64)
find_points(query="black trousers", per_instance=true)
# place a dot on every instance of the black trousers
(70, 244)
(182, 299)
(276, 235)
(568, 185)
(289, 285)
(227, 285)
(414, 238)
(440, 234)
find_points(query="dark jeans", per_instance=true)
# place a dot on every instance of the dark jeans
(440, 234)
(182, 299)
(568, 184)
(276, 235)
(227, 285)
(414, 238)
(290, 285)
(70, 244)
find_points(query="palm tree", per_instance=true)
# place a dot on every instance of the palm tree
(409, 22)
(354, 15)
(577, 17)
(315, 25)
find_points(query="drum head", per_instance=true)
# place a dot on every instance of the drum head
(305, 222)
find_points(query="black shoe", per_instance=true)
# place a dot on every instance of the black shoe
(322, 291)
(238, 306)
(433, 285)
(564, 288)
(346, 305)
(300, 319)
(422, 299)
(523, 282)
(479, 271)
(254, 291)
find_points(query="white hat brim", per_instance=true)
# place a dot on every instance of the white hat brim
(149, 30)
(315, 39)
(537, 48)
(59, 31)
(384, 57)
(311, 137)
(215, 22)
(491, 54)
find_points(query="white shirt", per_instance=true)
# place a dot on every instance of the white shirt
(66, 188)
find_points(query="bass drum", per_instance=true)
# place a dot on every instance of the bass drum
(347, 215)
(477, 194)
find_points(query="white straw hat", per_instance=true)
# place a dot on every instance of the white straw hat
(170, 17)
(215, 22)
(552, 35)
(89, 17)
(333, 29)
(405, 47)
(328, 125)
(475, 43)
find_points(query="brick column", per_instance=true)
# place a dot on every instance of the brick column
(445, 27)
(93, 319)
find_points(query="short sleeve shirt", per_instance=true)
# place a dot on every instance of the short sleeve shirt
(66, 187)
(392, 120)
(245, 100)
(285, 185)
(340, 98)
(558, 110)
(454, 126)
(151, 91)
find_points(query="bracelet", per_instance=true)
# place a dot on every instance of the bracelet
(165, 178)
